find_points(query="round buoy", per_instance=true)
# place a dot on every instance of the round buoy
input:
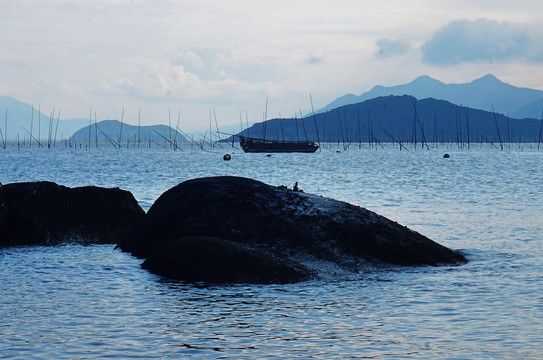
(226, 157)
(446, 156)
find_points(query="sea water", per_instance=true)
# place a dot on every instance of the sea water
(84, 302)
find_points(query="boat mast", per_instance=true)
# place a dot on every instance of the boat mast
(247, 121)
(303, 125)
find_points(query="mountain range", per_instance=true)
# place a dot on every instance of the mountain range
(24, 121)
(401, 119)
(119, 134)
(486, 93)
(449, 112)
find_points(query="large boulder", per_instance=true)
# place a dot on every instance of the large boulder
(45, 213)
(286, 223)
(208, 259)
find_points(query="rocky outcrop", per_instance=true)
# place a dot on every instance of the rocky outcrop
(47, 213)
(214, 260)
(217, 230)
(257, 221)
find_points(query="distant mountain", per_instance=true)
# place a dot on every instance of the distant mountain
(532, 110)
(481, 94)
(119, 134)
(24, 120)
(400, 118)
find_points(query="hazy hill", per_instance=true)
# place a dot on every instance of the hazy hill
(479, 94)
(23, 119)
(117, 133)
(531, 110)
(401, 118)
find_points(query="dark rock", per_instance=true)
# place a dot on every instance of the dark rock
(3, 216)
(39, 213)
(280, 221)
(214, 260)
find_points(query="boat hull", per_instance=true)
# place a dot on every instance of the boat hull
(251, 145)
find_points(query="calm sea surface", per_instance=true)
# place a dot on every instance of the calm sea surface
(83, 302)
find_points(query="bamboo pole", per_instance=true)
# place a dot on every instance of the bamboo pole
(540, 130)
(31, 125)
(56, 130)
(497, 127)
(90, 127)
(121, 130)
(315, 120)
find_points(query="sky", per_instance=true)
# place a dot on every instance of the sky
(161, 62)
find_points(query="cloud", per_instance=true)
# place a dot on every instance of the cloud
(484, 40)
(388, 48)
(314, 60)
(191, 58)
(159, 81)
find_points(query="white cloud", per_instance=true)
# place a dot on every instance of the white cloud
(315, 60)
(191, 59)
(388, 48)
(484, 40)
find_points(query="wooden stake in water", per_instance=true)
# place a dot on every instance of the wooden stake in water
(121, 129)
(31, 125)
(370, 135)
(50, 129)
(340, 129)
(95, 129)
(90, 126)
(434, 135)
(540, 130)
(265, 118)
(177, 128)
(497, 127)
(56, 130)
(315, 121)
(170, 125)
(139, 127)
(39, 122)
(467, 125)
(358, 119)
(217, 127)
(1, 134)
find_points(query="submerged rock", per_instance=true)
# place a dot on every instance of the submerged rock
(39, 213)
(276, 220)
(208, 259)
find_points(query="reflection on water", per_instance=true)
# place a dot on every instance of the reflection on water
(96, 302)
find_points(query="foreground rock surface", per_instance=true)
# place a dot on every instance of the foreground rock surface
(214, 260)
(45, 213)
(274, 220)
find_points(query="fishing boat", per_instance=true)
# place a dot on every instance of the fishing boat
(255, 145)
